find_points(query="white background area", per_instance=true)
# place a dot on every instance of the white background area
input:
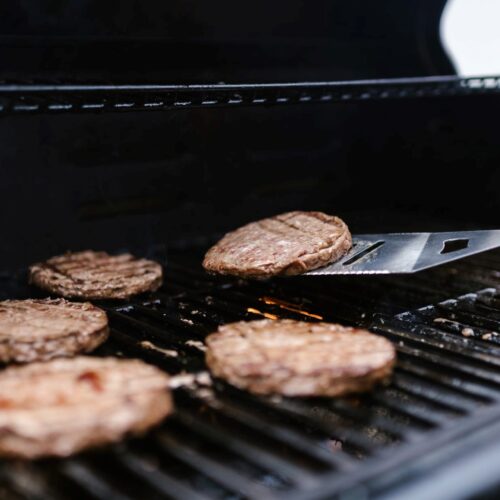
(470, 30)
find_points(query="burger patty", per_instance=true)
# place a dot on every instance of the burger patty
(297, 358)
(97, 275)
(32, 330)
(65, 405)
(287, 244)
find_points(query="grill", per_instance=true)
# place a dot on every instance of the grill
(155, 127)
(442, 404)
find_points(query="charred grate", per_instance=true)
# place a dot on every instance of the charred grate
(225, 443)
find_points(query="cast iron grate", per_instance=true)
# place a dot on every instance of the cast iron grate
(225, 443)
(62, 97)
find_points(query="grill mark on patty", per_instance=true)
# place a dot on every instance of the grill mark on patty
(276, 226)
(102, 264)
(41, 329)
(304, 230)
(53, 307)
(286, 244)
(297, 358)
(120, 272)
(97, 275)
(104, 270)
(100, 267)
(313, 237)
(58, 271)
(108, 266)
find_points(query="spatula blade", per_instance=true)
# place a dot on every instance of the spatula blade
(396, 253)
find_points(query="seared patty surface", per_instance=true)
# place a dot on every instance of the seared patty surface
(32, 330)
(297, 358)
(65, 405)
(96, 275)
(286, 244)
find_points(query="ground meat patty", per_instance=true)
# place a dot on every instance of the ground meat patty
(32, 330)
(62, 406)
(96, 275)
(297, 358)
(286, 244)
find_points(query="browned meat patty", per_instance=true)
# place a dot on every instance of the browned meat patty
(287, 244)
(32, 330)
(297, 358)
(65, 405)
(97, 275)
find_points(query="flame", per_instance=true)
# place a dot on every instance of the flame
(288, 307)
(266, 315)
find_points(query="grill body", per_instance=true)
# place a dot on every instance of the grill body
(155, 128)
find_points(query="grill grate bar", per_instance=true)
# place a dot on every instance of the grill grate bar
(431, 352)
(303, 412)
(280, 433)
(385, 424)
(431, 451)
(457, 314)
(412, 385)
(89, 481)
(285, 469)
(445, 343)
(462, 386)
(211, 308)
(179, 325)
(427, 416)
(461, 327)
(221, 474)
(483, 376)
(231, 308)
(462, 319)
(157, 479)
(158, 349)
(166, 333)
(481, 379)
(479, 312)
(26, 482)
(132, 347)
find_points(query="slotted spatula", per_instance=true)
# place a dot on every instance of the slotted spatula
(396, 253)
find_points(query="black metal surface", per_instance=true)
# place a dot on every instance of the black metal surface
(39, 97)
(184, 41)
(443, 401)
(133, 180)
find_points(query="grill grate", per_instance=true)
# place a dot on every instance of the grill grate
(225, 443)
(62, 97)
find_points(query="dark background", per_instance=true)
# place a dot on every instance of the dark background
(178, 178)
(187, 41)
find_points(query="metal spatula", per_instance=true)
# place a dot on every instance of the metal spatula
(409, 252)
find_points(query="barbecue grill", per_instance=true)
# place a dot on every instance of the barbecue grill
(234, 123)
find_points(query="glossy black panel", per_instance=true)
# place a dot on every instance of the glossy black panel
(187, 41)
(124, 180)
